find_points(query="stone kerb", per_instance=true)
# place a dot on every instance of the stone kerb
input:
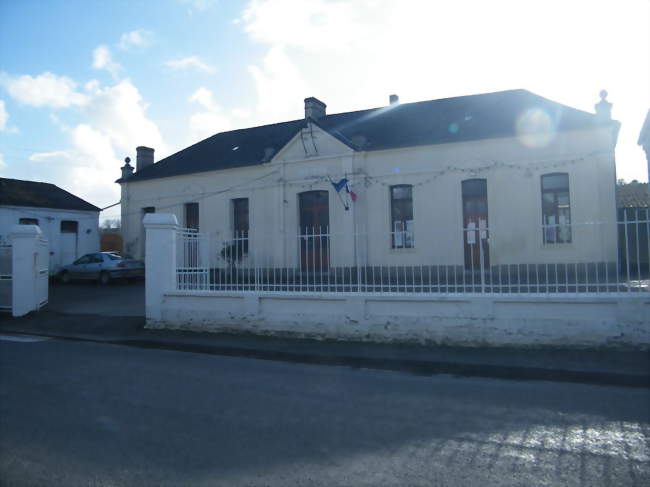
(24, 240)
(160, 261)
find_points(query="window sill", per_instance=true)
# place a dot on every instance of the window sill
(550, 246)
(403, 250)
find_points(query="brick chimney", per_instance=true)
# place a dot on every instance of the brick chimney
(143, 158)
(314, 108)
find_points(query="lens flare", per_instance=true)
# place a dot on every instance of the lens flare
(535, 128)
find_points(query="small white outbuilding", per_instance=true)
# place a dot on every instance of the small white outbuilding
(70, 224)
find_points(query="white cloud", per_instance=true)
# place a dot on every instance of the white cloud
(139, 38)
(86, 170)
(4, 116)
(115, 123)
(321, 24)
(353, 54)
(119, 113)
(103, 59)
(209, 121)
(205, 98)
(3, 165)
(240, 113)
(190, 62)
(44, 90)
(47, 156)
(280, 87)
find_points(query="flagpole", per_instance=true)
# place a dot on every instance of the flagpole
(339, 194)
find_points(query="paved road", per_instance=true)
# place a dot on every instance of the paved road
(119, 298)
(75, 413)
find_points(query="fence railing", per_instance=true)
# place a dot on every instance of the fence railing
(600, 258)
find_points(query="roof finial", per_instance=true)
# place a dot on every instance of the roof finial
(127, 169)
(603, 107)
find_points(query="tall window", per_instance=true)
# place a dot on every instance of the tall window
(239, 247)
(556, 208)
(240, 217)
(401, 216)
(192, 216)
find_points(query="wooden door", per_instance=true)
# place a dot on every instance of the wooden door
(475, 224)
(314, 230)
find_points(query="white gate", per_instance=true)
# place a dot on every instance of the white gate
(42, 272)
(5, 277)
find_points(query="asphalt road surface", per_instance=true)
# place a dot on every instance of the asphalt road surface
(84, 414)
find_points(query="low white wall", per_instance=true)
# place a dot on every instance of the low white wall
(467, 320)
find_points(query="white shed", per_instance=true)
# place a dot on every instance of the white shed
(70, 224)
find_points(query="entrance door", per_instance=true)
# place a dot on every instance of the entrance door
(475, 224)
(314, 230)
(69, 231)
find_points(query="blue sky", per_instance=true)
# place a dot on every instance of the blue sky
(82, 83)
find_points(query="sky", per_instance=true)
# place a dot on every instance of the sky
(84, 82)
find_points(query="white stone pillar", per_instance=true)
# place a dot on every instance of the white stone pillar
(160, 261)
(24, 273)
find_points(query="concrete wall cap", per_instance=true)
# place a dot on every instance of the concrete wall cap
(25, 231)
(160, 219)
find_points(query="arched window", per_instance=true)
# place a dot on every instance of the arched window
(401, 216)
(556, 208)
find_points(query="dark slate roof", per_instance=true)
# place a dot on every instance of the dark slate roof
(455, 119)
(15, 192)
(632, 195)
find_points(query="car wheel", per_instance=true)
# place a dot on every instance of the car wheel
(104, 278)
(65, 278)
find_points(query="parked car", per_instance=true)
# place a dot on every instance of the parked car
(103, 267)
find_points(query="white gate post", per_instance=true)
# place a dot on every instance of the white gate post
(24, 274)
(160, 261)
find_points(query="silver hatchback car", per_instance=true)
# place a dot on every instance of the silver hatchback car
(103, 267)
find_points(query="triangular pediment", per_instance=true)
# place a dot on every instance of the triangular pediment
(312, 141)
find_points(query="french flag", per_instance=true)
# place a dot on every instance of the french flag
(348, 188)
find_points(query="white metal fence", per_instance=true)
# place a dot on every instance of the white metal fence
(600, 258)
